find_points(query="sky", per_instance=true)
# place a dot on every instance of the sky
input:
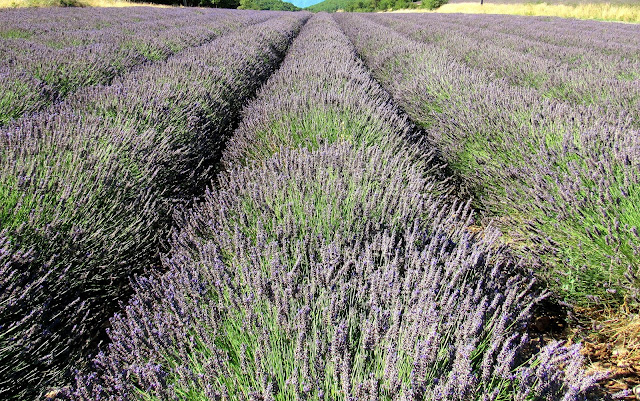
(303, 3)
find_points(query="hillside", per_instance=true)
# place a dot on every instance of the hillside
(331, 5)
(276, 5)
(361, 5)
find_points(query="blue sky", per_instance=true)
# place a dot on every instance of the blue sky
(304, 3)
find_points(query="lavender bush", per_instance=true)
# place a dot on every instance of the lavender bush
(607, 38)
(569, 74)
(196, 102)
(88, 192)
(318, 99)
(559, 175)
(332, 271)
(45, 59)
(261, 302)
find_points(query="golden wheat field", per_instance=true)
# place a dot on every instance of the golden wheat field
(596, 11)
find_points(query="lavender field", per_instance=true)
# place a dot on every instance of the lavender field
(204, 204)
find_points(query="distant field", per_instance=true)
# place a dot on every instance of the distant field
(635, 3)
(605, 12)
(616, 10)
(78, 3)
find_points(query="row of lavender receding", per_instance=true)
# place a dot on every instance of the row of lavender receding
(614, 41)
(88, 193)
(609, 39)
(330, 265)
(578, 75)
(43, 60)
(559, 175)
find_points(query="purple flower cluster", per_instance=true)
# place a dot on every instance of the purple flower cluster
(89, 188)
(42, 62)
(582, 72)
(539, 117)
(328, 265)
(341, 103)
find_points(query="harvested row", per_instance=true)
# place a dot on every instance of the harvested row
(581, 78)
(562, 179)
(329, 267)
(88, 191)
(42, 64)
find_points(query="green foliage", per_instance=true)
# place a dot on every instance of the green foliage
(365, 5)
(218, 3)
(17, 96)
(277, 5)
(433, 4)
(196, 3)
(329, 5)
(362, 5)
(15, 33)
(322, 125)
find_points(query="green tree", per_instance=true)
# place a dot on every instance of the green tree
(248, 5)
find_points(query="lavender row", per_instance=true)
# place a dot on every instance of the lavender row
(43, 21)
(331, 271)
(579, 56)
(89, 191)
(341, 103)
(562, 178)
(525, 34)
(580, 79)
(606, 38)
(43, 27)
(262, 304)
(40, 68)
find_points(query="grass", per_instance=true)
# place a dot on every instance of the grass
(15, 34)
(18, 97)
(313, 129)
(73, 3)
(595, 11)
